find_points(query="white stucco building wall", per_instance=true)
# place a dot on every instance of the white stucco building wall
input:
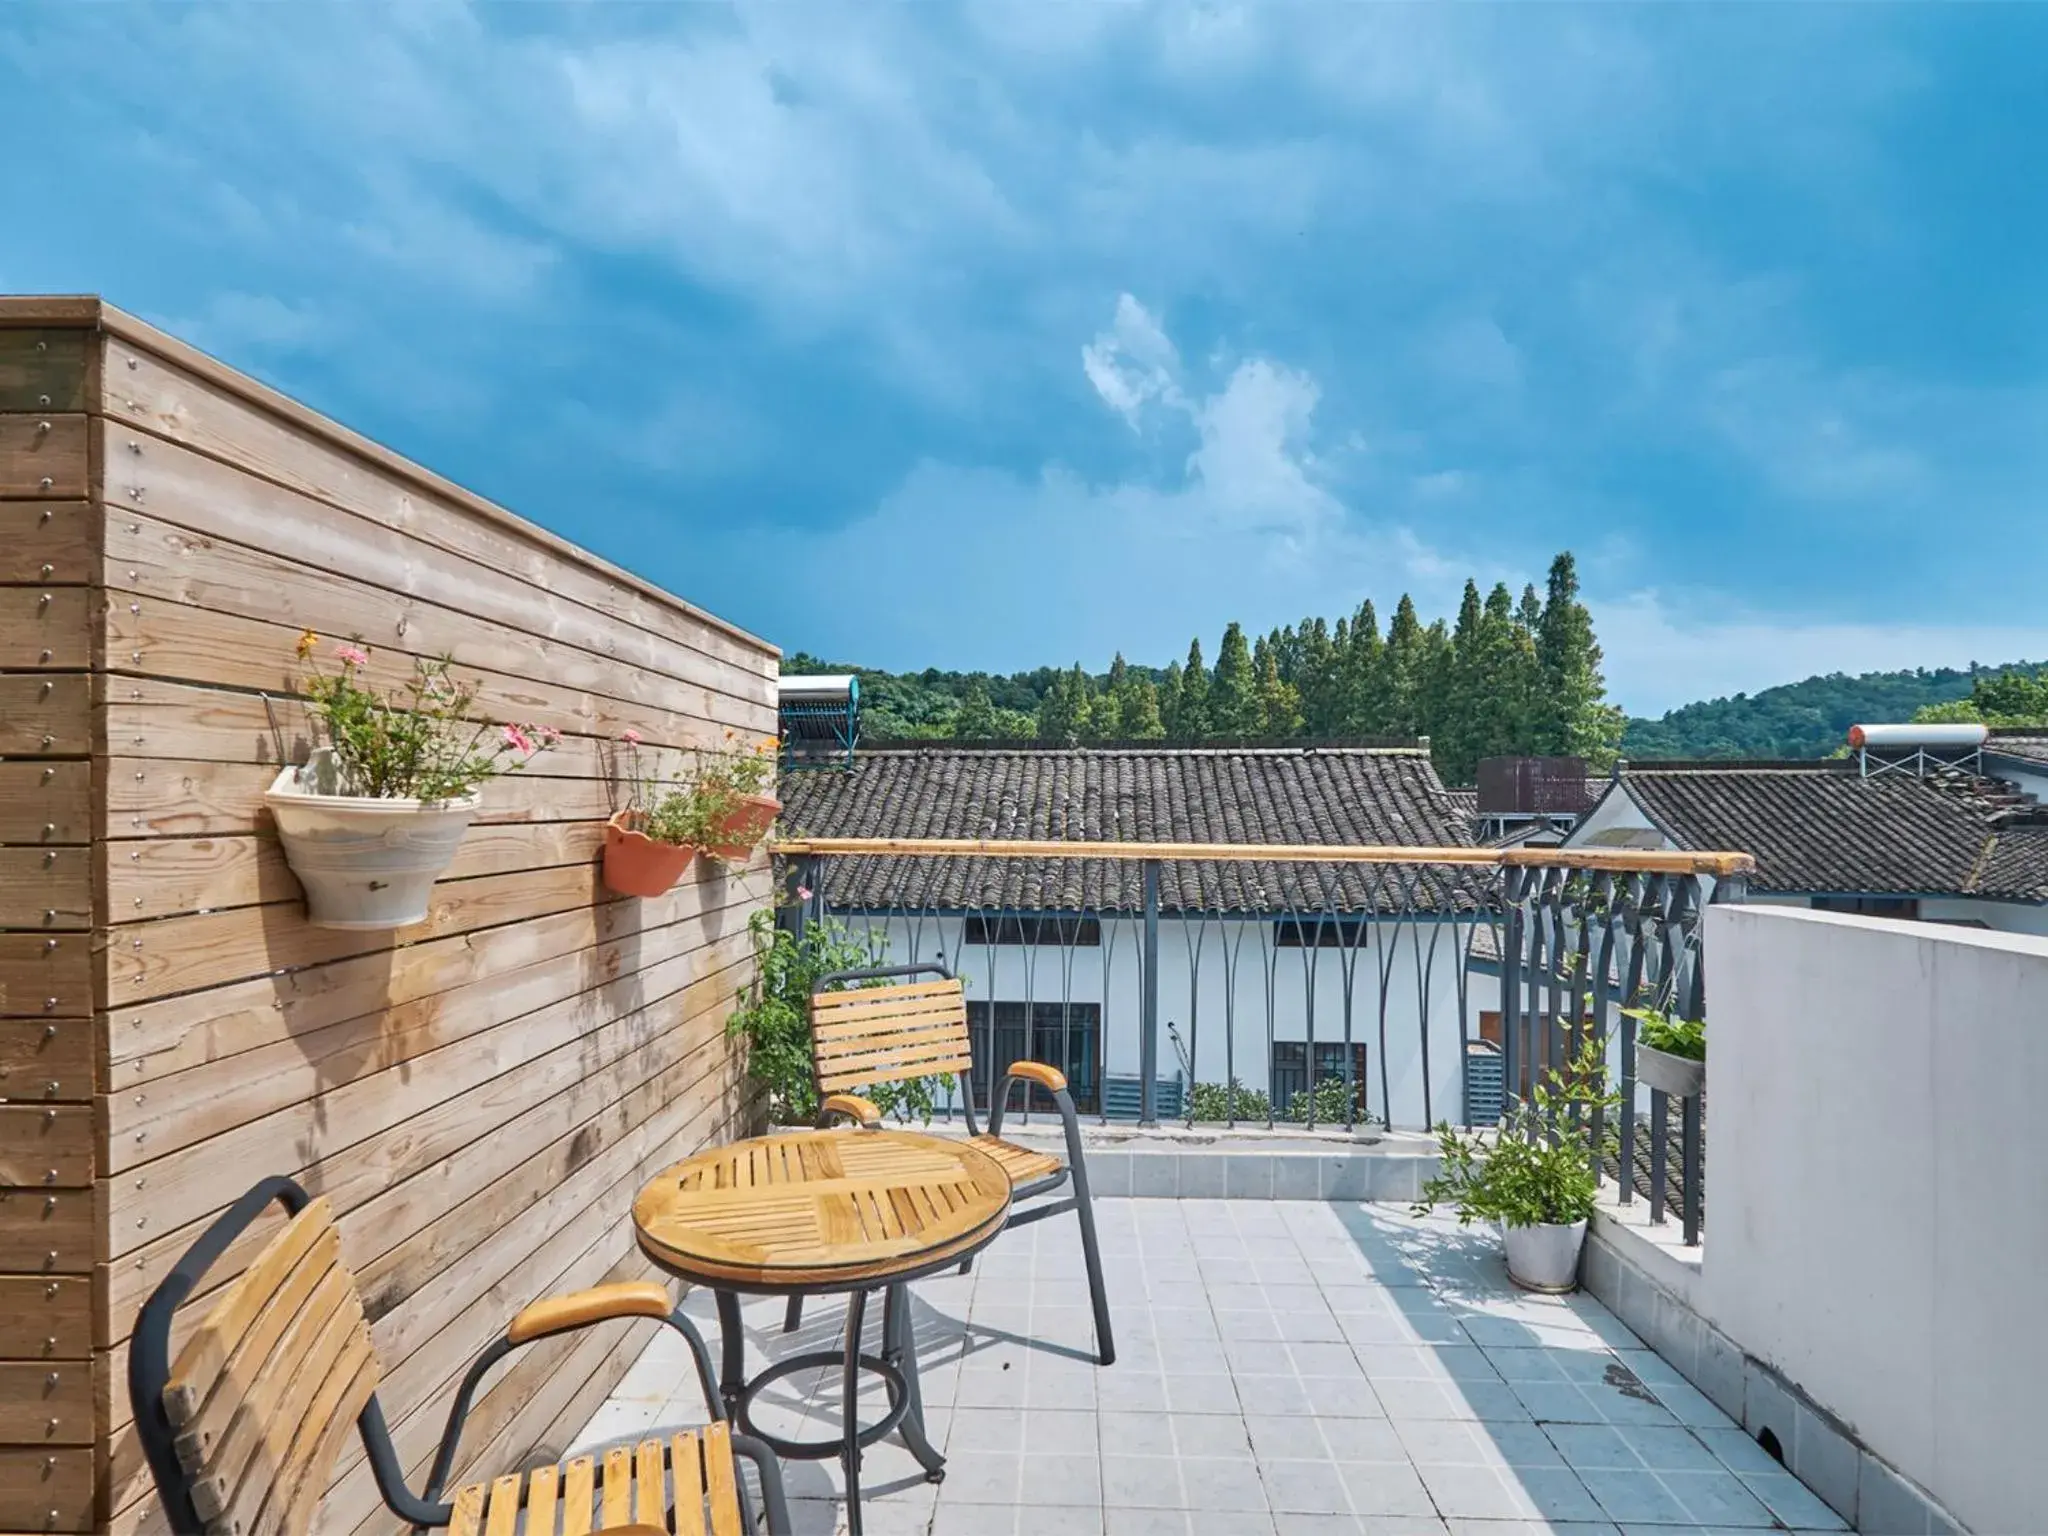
(1230, 991)
(1879, 1227)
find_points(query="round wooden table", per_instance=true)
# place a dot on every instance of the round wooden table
(810, 1213)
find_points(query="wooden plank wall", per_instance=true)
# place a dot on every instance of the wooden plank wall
(49, 561)
(479, 1095)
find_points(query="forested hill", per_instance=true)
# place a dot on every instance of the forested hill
(1810, 718)
(1501, 677)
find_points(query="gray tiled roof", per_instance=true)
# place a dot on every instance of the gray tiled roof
(1820, 827)
(2029, 747)
(1356, 795)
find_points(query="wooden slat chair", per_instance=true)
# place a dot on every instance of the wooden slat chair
(242, 1430)
(867, 1033)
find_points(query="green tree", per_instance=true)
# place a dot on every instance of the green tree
(1317, 678)
(1141, 720)
(1137, 703)
(1063, 712)
(1454, 744)
(1576, 718)
(1515, 680)
(2000, 699)
(1530, 614)
(1362, 682)
(1103, 718)
(1169, 702)
(1401, 669)
(1192, 718)
(1279, 701)
(1234, 690)
(1433, 680)
(975, 720)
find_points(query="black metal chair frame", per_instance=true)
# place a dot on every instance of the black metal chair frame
(149, 1372)
(1079, 1202)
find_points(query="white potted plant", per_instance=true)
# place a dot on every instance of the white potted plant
(376, 813)
(1533, 1176)
(1671, 1053)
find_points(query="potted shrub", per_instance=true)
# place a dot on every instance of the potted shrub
(1671, 1053)
(1533, 1176)
(772, 1014)
(649, 843)
(376, 813)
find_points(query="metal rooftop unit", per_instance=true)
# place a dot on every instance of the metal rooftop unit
(820, 720)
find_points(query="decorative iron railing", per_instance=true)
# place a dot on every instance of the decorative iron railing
(1322, 987)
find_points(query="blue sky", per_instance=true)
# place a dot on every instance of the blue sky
(994, 336)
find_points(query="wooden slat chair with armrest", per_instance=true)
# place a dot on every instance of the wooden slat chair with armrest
(880, 1026)
(242, 1429)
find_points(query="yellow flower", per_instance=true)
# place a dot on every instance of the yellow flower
(306, 643)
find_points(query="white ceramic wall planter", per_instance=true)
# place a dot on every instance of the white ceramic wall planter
(364, 863)
(1544, 1257)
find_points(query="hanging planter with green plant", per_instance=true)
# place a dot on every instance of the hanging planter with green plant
(375, 814)
(647, 842)
(719, 812)
(1671, 1053)
(732, 809)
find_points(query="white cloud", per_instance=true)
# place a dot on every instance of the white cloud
(1015, 570)
(1254, 464)
(1133, 362)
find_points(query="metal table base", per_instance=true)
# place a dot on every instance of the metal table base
(896, 1365)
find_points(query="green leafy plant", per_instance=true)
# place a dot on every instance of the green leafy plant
(1537, 1168)
(1332, 1101)
(1666, 1032)
(417, 742)
(773, 1017)
(694, 811)
(1216, 1101)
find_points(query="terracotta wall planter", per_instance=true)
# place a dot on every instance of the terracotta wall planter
(636, 864)
(744, 828)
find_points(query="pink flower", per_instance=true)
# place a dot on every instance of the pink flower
(631, 737)
(550, 736)
(352, 655)
(803, 893)
(518, 740)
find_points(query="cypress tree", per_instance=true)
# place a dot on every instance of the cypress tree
(1575, 718)
(1169, 702)
(1316, 678)
(1401, 668)
(975, 720)
(1454, 743)
(1106, 709)
(1279, 701)
(1141, 720)
(1194, 696)
(1234, 693)
(1063, 712)
(1363, 688)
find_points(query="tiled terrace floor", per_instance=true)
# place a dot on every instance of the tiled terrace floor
(1284, 1369)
